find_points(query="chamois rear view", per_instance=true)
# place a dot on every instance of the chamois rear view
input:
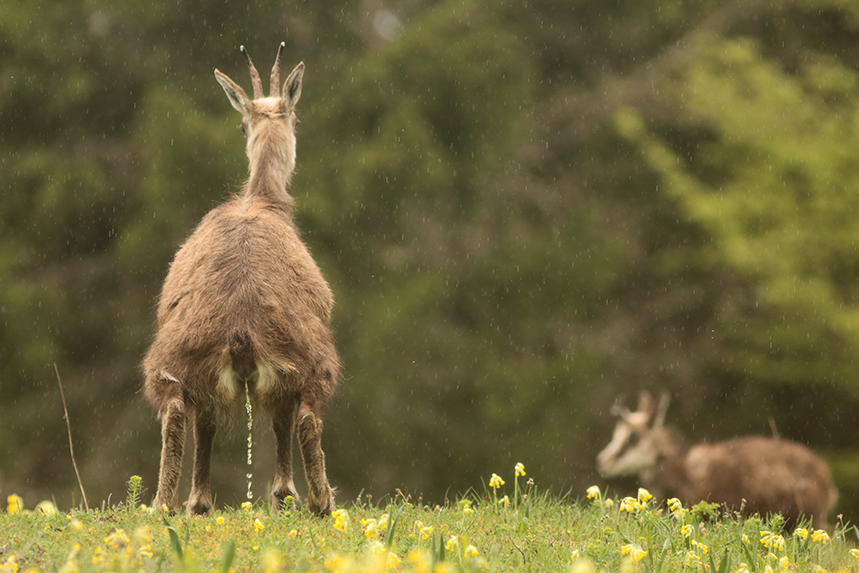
(244, 310)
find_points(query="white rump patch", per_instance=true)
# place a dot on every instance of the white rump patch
(265, 375)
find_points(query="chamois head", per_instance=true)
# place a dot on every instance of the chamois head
(268, 122)
(634, 446)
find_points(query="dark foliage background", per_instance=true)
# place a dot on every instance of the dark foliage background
(525, 209)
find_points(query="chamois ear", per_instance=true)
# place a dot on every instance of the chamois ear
(238, 98)
(292, 87)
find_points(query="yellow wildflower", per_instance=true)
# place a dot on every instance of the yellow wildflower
(341, 519)
(10, 565)
(452, 543)
(855, 553)
(745, 538)
(371, 528)
(76, 524)
(46, 507)
(14, 504)
(520, 470)
(247, 506)
(271, 560)
(495, 481)
(801, 532)
(118, 539)
(336, 563)
(393, 560)
(772, 540)
(419, 559)
(686, 530)
(820, 536)
(220, 520)
(692, 558)
(643, 495)
(594, 493)
(293, 533)
(630, 505)
(702, 546)
(258, 525)
(505, 501)
(426, 532)
(635, 552)
(471, 551)
(466, 506)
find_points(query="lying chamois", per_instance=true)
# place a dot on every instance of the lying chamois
(245, 309)
(760, 475)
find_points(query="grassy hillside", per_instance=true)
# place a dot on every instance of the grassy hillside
(508, 526)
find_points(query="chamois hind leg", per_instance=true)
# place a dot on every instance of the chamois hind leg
(283, 424)
(200, 501)
(172, 449)
(320, 496)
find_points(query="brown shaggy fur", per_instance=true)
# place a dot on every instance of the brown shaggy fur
(760, 475)
(244, 308)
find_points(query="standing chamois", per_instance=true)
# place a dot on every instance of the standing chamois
(245, 309)
(756, 474)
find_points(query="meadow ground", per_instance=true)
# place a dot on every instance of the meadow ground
(504, 527)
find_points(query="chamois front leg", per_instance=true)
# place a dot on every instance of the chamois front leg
(200, 501)
(320, 496)
(172, 449)
(283, 425)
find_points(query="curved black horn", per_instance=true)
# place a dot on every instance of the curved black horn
(274, 88)
(255, 80)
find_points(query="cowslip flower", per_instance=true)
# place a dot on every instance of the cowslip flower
(643, 495)
(10, 565)
(772, 540)
(519, 470)
(118, 539)
(495, 481)
(466, 507)
(820, 536)
(630, 504)
(14, 504)
(247, 506)
(686, 530)
(855, 553)
(471, 551)
(371, 528)
(271, 560)
(594, 493)
(801, 532)
(635, 552)
(258, 525)
(702, 546)
(505, 501)
(452, 543)
(341, 519)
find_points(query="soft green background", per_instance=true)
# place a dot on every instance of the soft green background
(525, 209)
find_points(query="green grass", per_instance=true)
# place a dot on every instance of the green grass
(501, 529)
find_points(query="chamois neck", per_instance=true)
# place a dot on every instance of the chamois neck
(271, 152)
(670, 468)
